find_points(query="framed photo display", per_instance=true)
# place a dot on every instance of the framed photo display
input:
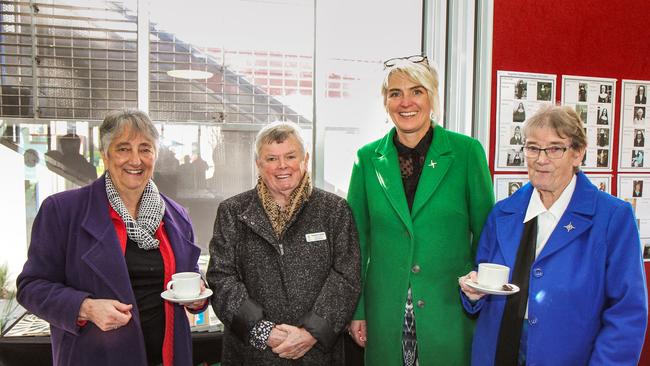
(519, 95)
(593, 99)
(634, 127)
(635, 189)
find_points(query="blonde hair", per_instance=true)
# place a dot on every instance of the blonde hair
(418, 72)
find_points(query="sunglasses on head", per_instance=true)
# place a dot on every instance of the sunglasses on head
(414, 59)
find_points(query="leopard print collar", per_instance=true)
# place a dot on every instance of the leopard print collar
(279, 216)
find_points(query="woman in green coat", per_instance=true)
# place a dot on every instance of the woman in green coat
(419, 196)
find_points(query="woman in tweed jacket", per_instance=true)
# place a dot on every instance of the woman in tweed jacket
(284, 262)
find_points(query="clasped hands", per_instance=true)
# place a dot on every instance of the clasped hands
(290, 342)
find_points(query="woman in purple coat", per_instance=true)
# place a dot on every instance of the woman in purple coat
(101, 255)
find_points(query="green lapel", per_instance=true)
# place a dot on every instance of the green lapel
(388, 174)
(438, 161)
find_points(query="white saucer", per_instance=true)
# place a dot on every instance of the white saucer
(169, 296)
(492, 291)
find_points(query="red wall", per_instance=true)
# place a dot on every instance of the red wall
(599, 38)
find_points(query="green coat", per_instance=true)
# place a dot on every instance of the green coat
(439, 235)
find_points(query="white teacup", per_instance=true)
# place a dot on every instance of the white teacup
(492, 275)
(185, 285)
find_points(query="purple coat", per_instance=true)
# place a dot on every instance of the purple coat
(74, 254)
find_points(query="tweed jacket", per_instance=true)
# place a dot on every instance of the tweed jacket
(74, 254)
(310, 281)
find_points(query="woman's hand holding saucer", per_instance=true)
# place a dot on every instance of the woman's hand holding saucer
(471, 294)
(199, 304)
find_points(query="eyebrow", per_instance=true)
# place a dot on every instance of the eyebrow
(552, 143)
(126, 143)
(411, 88)
(287, 153)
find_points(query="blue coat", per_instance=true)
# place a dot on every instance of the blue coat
(75, 253)
(587, 302)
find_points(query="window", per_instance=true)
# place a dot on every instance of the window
(65, 63)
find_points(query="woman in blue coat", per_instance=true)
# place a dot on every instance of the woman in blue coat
(583, 296)
(100, 256)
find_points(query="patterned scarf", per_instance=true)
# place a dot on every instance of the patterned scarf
(150, 214)
(280, 217)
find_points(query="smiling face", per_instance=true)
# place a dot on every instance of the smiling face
(408, 104)
(551, 176)
(130, 159)
(282, 166)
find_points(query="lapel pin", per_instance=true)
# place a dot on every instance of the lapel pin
(432, 164)
(569, 227)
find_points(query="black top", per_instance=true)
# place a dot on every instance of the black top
(411, 161)
(147, 274)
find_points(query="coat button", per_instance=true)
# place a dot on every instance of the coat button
(537, 272)
(415, 269)
(532, 321)
(420, 303)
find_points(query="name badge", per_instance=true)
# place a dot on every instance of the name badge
(315, 237)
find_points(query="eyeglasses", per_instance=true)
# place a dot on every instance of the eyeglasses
(416, 59)
(552, 152)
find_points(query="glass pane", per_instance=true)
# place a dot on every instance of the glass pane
(243, 48)
(41, 158)
(349, 77)
(82, 44)
(249, 49)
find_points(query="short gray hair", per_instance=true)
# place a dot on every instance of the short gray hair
(278, 132)
(564, 120)
(419, 72)
(117, 121)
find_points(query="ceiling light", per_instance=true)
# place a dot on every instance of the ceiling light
(189, 74)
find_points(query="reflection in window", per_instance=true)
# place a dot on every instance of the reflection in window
(259, 59)
(350, 107)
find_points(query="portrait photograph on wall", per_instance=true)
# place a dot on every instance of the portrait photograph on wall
(507, 184)
(602, 181)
